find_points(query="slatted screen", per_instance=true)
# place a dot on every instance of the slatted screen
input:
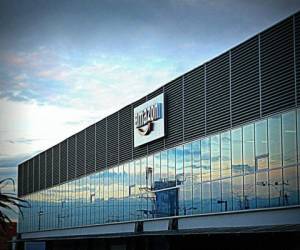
(245, 93)
(63, 169)
(43, 170)
(174, 111)
(194, 104)
(277, 67)
(218, 94)
(49, 168)
(125, 134)
(80, 154)
(297, 53)
(20, 179)
(112, 139)
(36, 173)
(71, 157)
(90, 152)
(101, 146)
(56, 167)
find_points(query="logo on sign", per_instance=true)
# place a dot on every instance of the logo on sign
(144, 119)
(149, 121)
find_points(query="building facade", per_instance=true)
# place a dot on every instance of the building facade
(221, 140)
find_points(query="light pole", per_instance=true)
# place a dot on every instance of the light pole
(221, 202)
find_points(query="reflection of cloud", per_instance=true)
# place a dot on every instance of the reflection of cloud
(45, 77)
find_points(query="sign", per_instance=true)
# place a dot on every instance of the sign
(149, 121)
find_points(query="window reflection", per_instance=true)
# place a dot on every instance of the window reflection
(276, 188)
(261, 138)
(290, 186)
(237, 160)
(194, 178)
(205, 159)
(225, 154)
(274, 136)
(289, 138)
(215, 157)
(248, 149)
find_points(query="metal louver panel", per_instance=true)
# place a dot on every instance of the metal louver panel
(20, 180)
(80, 154)
(194, 104)
(125, 134)
(90, 149)
(101, 144)
(245, 94)
(30, 179)
(42, 170)
(174, 112)
(63, 161)
(71, 157)
(56, 166)
(112, 139)
(26, 177)
(157, 144)
(36, 173)
(218, 94)
(140, 150)
(297, 54)
(277, 67)
(49, 168)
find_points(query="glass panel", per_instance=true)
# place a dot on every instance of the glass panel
(289, 138)
(276, 188)
(225, 154)
(261, 147)
(105, 196)
(164, 166)
(101, 196)
(157, 183)
(262, 162)
(196, 177)
(216, 200)
(248, 149)
(249, 191)
(237, 193)
(132, 197)
(188, 189)
(171, 166)
(237, 158)
(226, 203)
(206, 197)
(188, 202)
(290, 186)
(126, 192)
(121, 193)
(116, 216)
(215, 157)
(205, 159)
(262, 189)
(274, 131)
(150, 171)
(188, 164)
(179, 166)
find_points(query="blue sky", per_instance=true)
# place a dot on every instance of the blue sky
(67, 64)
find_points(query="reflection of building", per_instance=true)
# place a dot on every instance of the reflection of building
(222, 157)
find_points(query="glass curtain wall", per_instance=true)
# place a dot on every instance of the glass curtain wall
(253, 166)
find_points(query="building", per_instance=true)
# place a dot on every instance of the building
(213, 152)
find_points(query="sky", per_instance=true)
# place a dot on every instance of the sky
(65, 65)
